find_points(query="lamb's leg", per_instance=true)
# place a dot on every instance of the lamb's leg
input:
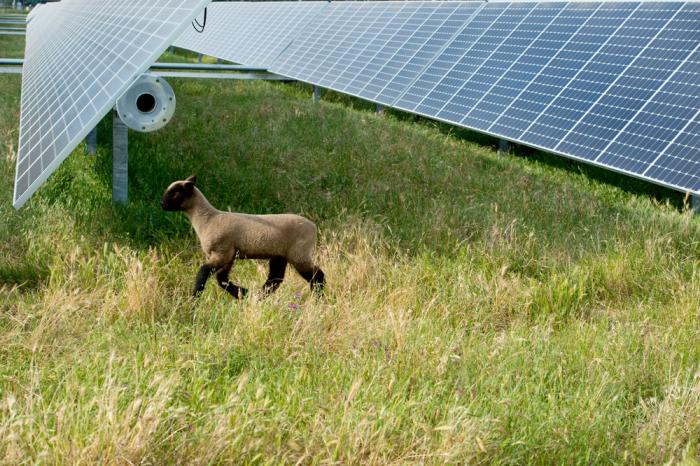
(278, 265)
(234, 290)
(201, 280)
(312, 274)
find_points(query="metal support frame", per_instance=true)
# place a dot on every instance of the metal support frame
(91, 141)
(181, 70)
(203, 75)
(695, 204)
(203, 67)
(120, 160)
(317, 94)
(199, 58)
(169, 66)
(504, 147)
(379, 109)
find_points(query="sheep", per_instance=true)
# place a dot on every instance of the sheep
(227, 236)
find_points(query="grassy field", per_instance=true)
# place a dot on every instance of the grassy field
(479, 309)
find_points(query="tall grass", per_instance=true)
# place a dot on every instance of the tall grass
(479, 309)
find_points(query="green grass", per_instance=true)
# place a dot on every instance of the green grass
(479, 309)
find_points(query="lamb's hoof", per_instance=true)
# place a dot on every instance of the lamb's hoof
(317, 289)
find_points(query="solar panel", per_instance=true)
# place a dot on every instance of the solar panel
(77, 63)
(373, 50)
(39, 24)
(250, 33)
(611, 83)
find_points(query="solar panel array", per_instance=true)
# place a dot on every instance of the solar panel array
(608, 83)
(373, 50)
(616, 84)
(249, 33)
(81, 55)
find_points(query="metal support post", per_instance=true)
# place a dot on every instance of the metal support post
(695, 204)
(317, 94)
(199, 58)
(503, 147)
(379, 109)
(91, 141)
(171, 49)
(120, 160)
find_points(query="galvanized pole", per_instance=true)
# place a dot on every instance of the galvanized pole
(91, 141)
(120, 160)
(695, 204)
(199, 58)
(379, 109)
(503, 147)
(317, 94)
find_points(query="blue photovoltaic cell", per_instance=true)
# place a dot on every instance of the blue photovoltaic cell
(602, 48)
(548, 64)
(661, 86)
(679, 163)
(332, 28)
(612, 83)
(427, 31)
(250, 33)
(373, 50)
(612, 99)
(434, 87)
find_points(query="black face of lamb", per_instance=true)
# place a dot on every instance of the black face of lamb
(172, 200)
(174, 197)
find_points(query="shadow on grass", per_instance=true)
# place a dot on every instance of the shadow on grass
(626, 183)
(27, 276)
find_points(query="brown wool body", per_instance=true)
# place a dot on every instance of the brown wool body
(227, 236)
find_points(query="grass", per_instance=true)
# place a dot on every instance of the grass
(480, 309)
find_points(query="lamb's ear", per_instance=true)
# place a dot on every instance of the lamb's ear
(192, 179)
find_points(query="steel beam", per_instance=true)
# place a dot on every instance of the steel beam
(173, 70)
(504, 147)
(203, 66)
(171, 66)
(204, 75)
(120, 160)
(91, 141)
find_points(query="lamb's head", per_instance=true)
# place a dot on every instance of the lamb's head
(179, 195)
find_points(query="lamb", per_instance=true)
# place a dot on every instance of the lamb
(227, 236)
